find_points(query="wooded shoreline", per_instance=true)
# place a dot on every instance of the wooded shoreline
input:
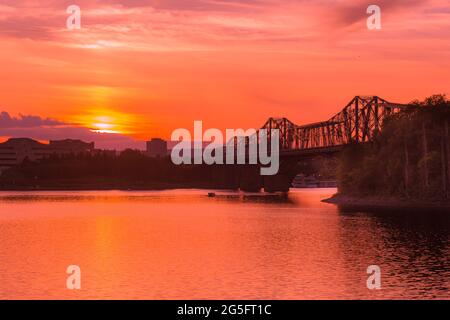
(408, 159)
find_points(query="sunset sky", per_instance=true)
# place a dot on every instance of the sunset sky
(141, 68)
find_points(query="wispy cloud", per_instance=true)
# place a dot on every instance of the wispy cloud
(197, 24)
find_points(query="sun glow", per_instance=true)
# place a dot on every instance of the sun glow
(100, 112)
(106, 121)
(105, 124)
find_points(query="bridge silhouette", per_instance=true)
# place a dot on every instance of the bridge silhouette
(358, 122)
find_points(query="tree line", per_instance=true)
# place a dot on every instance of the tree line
(129, 169)
(409, 158)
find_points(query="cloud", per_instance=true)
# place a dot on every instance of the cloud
(39, 128)
(25, 121)
(26, 27)
(182, 24)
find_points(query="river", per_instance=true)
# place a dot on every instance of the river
(182, 244)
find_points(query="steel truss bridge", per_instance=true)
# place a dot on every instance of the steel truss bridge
(358, 122)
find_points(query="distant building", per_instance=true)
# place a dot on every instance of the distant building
(156, 148)
(15, 150)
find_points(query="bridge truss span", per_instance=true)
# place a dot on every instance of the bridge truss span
(358, 122)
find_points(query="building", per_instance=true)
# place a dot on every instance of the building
(15, 150)
(156, 148)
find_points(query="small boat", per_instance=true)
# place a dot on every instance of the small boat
(211, 194)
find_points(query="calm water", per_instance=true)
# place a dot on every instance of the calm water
(184, 245)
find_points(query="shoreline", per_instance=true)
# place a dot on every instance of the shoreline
(355, 202)
(105, 186)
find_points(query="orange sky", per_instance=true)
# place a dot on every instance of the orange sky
(144, 68)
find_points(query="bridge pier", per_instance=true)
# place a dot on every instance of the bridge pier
(281, 182)
(250, 178)
(277, 183)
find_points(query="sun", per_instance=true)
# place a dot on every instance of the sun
(104, 124)
(103, 120)
(103, 128)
